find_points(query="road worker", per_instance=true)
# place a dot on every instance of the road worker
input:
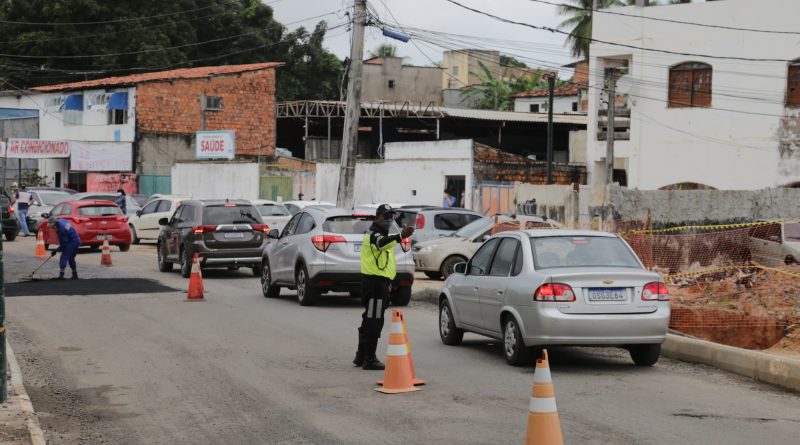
(378, 269)
(68, 243)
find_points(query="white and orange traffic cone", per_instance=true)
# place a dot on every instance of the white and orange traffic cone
(544, 427)
(399, 375)
(105, 258)
(401, 328)
(195, 292)
(40, 252)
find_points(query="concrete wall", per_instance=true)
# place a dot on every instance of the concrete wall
(411, 83)
(732, 150)
(157, 153)
(563, 104)
(558, 202)
(577, 147)
(216, 180)
(411, 173)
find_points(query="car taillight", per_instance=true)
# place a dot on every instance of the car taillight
(81, 219)
(122, 218)
(419, 222)
(199, 230)
(405, 243)
(655, 291)
(260, 228)
(322, 242)
(554, 292)
(10, 209)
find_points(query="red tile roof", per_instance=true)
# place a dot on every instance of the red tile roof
(184, 73)
(570, 89)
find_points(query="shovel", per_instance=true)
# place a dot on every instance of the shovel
(30, 277)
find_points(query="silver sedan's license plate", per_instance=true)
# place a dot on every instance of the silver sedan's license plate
(606, 294)
(357, 247)
(234, 235)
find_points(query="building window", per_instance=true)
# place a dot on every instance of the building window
(534, 108)
(73, 109)
(793, 85)
(117, 117)
(690, 85)
(574, 106)
(213, 103)
(391, 83)
(118, 108)
(455, 70)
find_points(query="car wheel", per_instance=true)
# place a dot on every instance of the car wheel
(124, 247)
(517, 354)
(186, 263)
(134, 237)
(645, 355)
(448, 331)
(267, 288)
(307, 294)
(257, 270)
(163, 264)
(11, 235)
(787, 261)
(433, 275)
(401, 296)
(449, 263)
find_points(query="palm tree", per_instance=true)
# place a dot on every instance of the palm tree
(384, 50)
(579, 22)
(495, 93)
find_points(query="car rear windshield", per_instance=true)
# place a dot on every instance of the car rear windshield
(53, 198)
(272, 210)
(351, 225)
(99, 211)
(581, 251)
(230, 214)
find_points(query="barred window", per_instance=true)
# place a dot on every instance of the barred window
(690, 85)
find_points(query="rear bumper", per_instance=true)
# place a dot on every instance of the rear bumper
(233, 257)
(118, 236)
(351, 282)
(546, 325)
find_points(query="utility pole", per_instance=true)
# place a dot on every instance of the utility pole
(347, 170)
(612, 105)
(551, 85)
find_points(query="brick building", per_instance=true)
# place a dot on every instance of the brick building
(128, 131)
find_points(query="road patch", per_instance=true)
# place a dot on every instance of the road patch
(98, 286)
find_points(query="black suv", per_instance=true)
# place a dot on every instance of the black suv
(10, 223)
(223, 233)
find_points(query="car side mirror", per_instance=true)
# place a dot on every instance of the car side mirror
(45, 215)
(163, 222)
(138, 213)
(486, 237)
(460, 268)
(274, 234)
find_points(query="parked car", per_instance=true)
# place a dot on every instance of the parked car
(433, 222)
(437, 257)
(224, 233)
(9, 221)
(319, 251)
(370, 209)
(273, 213)
(144, 223)
(44, 199)
(95, 221)
(295, 206)
(774, 244)
(131, 206)
(537, 288)
(141, 200)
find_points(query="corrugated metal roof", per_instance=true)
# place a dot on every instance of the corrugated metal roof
(512, 116)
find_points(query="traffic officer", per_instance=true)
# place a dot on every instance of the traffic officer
(68, 243)
(378, 269)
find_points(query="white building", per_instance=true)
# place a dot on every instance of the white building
(566, 100)
(715, 121)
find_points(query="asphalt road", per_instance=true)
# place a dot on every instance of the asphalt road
(149, 368)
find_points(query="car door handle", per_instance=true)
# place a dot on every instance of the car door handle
(499, 292)
(477, 287)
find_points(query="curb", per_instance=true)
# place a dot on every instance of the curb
(18, 389)
(427, 296)
(774, 369)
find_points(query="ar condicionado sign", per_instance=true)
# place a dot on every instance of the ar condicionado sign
(215, 145)
(35, 149)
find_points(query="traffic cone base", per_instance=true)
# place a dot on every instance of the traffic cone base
(105, 258)
(544, 427)
(40, 251)
(195, 292)
(399, 374)
(414, 379)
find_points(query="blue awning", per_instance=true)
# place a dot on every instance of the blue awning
(118, 101)
(74, 102)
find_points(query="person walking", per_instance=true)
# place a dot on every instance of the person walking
(378, 269)
(24, 199)
(68, 243)
(121, 201)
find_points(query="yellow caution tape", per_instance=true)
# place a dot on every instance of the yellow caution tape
(717, 227)
(669, 278)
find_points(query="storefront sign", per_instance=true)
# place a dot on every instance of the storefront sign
(215, 145)
(35, 149)
(101, 157)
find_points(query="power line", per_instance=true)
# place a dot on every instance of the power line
(622, 45)
(658, 19)
(105, 22)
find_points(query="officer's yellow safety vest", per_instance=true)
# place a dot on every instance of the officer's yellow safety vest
(378, 262)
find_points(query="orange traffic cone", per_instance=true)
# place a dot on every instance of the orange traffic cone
(401, 329)
(544, 427)
(105, 258)
(40, 250)
(399, 375)
(195, 282)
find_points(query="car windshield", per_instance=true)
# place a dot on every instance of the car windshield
(351, 225)
(230, 214)
(581, 251)
(99, 210)
(473, 228)
(53, 198)
(272, 210)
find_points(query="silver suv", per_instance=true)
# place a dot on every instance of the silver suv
(319, 251)
(433, 222)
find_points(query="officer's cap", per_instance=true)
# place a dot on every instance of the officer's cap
(384, 208)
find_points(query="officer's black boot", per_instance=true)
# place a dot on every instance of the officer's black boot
(60, 275)
(359, 360)
(371, 362)
(74, 274)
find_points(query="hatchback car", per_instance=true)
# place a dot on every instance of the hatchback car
(44, 199)
(544, 287)
(95, 221)
(131, 206)
(433, 222)
(319, 250)
(223, 233)
(10, 222)
(273, 213)
(144, 223)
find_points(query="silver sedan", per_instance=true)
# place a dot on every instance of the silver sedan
(541, 287)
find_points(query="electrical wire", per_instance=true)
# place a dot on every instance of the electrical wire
(105, 22)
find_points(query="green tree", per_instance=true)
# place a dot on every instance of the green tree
(494, 93)
(579, 23)
(511, 62)
(384, 50)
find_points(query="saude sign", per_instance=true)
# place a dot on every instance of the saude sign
(215, 145)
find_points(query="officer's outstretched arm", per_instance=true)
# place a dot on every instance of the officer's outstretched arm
(385, 242)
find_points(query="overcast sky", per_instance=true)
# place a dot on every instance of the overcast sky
(442, 16)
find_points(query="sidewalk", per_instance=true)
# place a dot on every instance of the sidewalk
(18, 422)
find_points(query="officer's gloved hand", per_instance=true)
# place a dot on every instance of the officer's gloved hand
(53, 253)
(406, 231)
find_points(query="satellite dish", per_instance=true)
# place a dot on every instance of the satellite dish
(624, 84)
